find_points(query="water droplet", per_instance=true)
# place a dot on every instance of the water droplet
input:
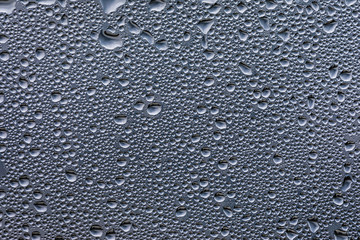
(162, 45)
(133, 28)
(241, 7)
(205, 25)
(35, 152)
(40, 206)
(110, 6)
(157, 5)
(350, 2)
(3, 38)
(70, 175)
(120, 119)
(110, 40)
(126, 226)
(181, 212)
(7, 6)
(333, 71)
(338, 199)
(313, 225)
(56, 96)
(330, 26)
(147, 36)
(39, 53)
(346, 76)
(245, 69)
(346, 185)
(96, 231)
(154, 109)
(265, 23)
(349, 146)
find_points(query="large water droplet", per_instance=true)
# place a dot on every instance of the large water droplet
(110, 40)
(110, 6)
(181, 212)
(245, 69)
(157, 5)
(154, 109)
(205, 25)
(330, 27)
(96, 231)
(7, 6)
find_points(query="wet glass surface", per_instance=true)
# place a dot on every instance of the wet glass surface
(193, 119)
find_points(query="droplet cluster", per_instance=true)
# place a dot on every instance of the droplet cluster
(179, 119)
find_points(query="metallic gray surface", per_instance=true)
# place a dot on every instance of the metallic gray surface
(160, 119)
